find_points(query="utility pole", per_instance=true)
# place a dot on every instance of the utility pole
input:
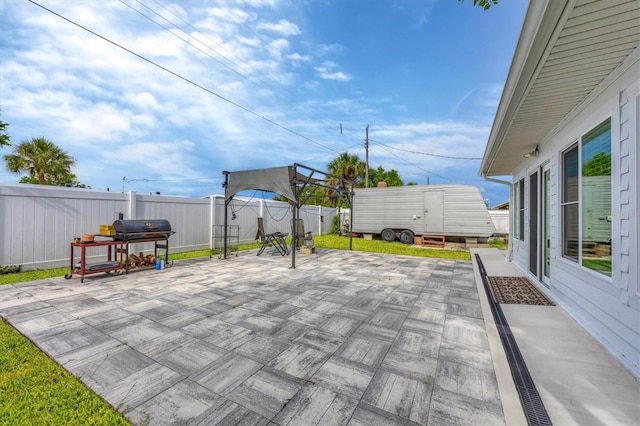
(366, 162)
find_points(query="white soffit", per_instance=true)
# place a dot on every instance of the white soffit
(589, 41)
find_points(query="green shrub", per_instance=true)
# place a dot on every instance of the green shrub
(335, 224)
(9, 269)
(499, 243)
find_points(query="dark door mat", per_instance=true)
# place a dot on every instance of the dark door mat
(517, 290)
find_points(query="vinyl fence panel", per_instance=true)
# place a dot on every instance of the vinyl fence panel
(37, 223)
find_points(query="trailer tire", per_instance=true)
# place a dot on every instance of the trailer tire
(406, 237)
(388, 235)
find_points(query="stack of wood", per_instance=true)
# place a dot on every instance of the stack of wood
(141, 260)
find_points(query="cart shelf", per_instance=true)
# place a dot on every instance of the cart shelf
(84, 268)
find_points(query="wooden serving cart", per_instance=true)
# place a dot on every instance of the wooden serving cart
(83, 268)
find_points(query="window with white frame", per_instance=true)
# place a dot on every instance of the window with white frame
(586, 200)
(518, 210)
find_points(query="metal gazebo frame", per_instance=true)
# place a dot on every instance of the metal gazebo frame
(290, 182)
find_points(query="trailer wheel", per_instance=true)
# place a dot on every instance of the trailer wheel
(388, 235)
(406, 237)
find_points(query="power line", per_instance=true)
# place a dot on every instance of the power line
(175, 74)
(433, 172)
(415, 165)
(248, 75)
(172, 180)
(178, 36)
(252, 77)
(430, 154)
(435, 128)
(355, 137)
(164, 180)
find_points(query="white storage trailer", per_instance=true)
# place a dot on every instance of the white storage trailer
(403, 212)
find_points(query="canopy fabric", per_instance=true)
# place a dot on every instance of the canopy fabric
(280, 180)
(276, 179)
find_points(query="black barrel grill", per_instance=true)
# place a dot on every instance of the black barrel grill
(133, 231)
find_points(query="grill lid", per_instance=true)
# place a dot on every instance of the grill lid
(142, 229)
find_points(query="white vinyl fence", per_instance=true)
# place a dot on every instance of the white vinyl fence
(500, 219)
(37, 223)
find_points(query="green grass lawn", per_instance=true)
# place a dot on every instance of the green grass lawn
(35, 390)
(380, 246)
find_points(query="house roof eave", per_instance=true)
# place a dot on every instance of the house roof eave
(541, 23)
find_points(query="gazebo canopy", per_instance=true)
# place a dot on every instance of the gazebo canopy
(288, 181)
(280, 180)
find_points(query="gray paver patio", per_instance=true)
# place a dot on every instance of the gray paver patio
(344, 338)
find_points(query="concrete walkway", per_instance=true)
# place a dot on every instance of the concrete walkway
(345, 338)
(579, 381)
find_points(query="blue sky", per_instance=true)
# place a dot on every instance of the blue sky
(207, 86)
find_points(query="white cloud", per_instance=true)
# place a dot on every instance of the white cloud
(282, 27)
(232, 15)
(142, 100)
(122, 116)
(258, 3)
(153, 156)
(249, 41)
(296, 57)
(158, 45)
(339, 75)
(326, 72)
(277, 47)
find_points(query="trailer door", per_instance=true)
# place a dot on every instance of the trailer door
(434, 212)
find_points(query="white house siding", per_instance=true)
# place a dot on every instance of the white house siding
(628, 215)
(635, 203)
(608, 307)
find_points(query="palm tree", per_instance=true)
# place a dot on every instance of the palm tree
(40, 158)
(344, 166)
(4, 137)
(347, 166)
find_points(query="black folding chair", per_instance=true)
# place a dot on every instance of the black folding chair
(302, 238)
(275, 240)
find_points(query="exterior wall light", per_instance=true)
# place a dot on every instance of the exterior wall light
(530, 154)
